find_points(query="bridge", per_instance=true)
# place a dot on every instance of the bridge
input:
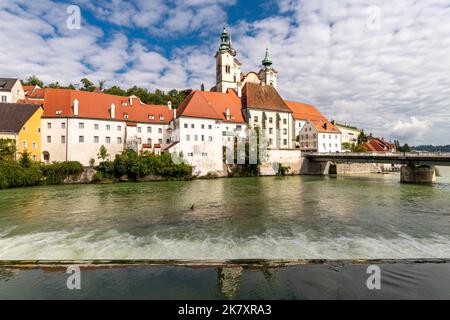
(417, 167)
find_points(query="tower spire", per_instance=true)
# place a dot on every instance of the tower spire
(267, 62)
(224, 40)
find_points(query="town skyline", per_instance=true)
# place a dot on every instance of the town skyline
(382, 75)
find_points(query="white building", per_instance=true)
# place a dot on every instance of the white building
(75, 124)
(349, 134)
(320, 136)
(205, 123)
(11, 90)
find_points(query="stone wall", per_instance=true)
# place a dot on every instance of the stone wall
(85, 177)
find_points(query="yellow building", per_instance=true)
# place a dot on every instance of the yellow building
(22, 122)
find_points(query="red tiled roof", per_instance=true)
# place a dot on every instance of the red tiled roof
(262, 97)
(378, 145)
(59, 103)
(324, 126)
(212, 105)
(303, 111)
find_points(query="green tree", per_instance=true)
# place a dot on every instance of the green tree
(359, 148)
(25, 159)
(103, 153)
(362, 138)
(33, 81)
(7, 149)
(87, 85)
(115, 90)
(404, 148)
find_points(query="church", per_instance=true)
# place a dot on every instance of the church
(206, 121)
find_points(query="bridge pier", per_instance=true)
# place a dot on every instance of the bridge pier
(418, 174)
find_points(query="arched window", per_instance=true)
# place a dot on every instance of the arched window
(46, 155)
(227, 69)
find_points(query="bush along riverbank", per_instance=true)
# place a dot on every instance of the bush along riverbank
(26, 173)
(131, 166)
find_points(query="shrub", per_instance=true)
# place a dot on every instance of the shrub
(13, 175)
(56, 173)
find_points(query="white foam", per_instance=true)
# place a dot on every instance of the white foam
(115, 245)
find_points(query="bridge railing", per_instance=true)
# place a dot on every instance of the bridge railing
(382, 154)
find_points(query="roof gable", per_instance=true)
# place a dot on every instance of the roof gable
(6, 84)
(256, 96)
(13, 116)
(303, 111)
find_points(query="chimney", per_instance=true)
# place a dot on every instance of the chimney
(227, 114)
(169, 105)
(239, 91)
(75, 107)
(113, 111)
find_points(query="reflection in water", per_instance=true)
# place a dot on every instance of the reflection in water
(346, 217)
(228, 280)
(340, 280)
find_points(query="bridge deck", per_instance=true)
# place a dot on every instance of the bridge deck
(441, 159)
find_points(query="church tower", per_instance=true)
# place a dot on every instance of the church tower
(268, 74)
(228, 68)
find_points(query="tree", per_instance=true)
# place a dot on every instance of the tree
(25, 159)
(405, 148)
(359, 148)
(87, 85)
(103, 153)
(33, 81)
(362, 138)
(115, 90)
(101, 84)
(7, 149)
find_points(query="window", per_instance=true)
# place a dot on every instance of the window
(192, 126)
(204, 154)
(24, 129)
(34, 157)
(81, 139)
(160, 141)
(63, 139)
(188, 138)
(256, 119)
(185, 125)
(63, 125)
(139, 129)
(190, 154)
(149, 129)
(125, 115)
(119, 140)
(108, 140)
(285, 121)
(270, 130)
(139, 141)
(149, 140)
(49, 125)
(49, 139)
(161, 118)
(108, 127)
(203, 126)
(285, 142)
(284, 131)
(151, 117)
(270, 120)
(227, 69)
(95, 126)
(39, 130)
(210, 139)
(24, 144)
(81, 125)
(96, 139)
(119, 128)
(324, 136)
(159, 130)
(210, 127)
(167, 141)
(196, 138)
(203, 138)
(3, 98)
(270, 142)
(239, 127)
(34, 145)
(314, 135)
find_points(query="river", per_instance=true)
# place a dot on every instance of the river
(298, 217)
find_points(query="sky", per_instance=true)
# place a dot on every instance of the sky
(380, 65)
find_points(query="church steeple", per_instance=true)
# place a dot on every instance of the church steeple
(224, 41)
(267, 62)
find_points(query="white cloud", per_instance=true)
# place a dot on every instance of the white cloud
(393, 81)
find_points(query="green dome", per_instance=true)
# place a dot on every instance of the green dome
(267, 62)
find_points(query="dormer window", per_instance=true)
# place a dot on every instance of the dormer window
(58, 112)
(161, 118)
(151, 117)
(125, 115)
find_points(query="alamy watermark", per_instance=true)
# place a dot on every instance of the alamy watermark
(374, 280)
(74, 280)
(73, 21)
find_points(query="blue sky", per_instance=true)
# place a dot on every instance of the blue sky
(378, 64)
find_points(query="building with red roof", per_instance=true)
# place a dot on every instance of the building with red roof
(75, 124)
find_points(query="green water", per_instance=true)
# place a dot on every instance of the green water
(366, 217)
